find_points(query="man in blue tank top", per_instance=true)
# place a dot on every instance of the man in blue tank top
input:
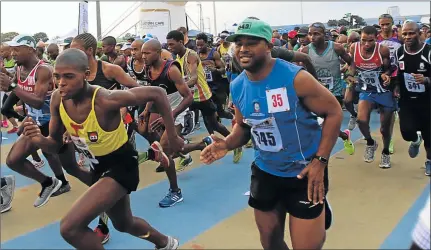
(289, 174)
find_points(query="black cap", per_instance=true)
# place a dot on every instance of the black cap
(303, 31)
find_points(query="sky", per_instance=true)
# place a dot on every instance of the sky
(58, 18)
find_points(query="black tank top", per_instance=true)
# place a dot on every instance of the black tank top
(141, 77)
(163, 80)
(418, 63)
(101, 80)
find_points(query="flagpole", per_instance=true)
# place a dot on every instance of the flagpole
(99, 23)
(79, 16)
(215, 19)
(302, 15)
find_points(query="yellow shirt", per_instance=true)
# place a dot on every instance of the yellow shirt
(201, 91)
(89, 137)
(225, 56)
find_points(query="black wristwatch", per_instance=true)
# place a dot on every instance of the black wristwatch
(321, 159)
(12, 86)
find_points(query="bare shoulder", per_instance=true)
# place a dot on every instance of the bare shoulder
(45, 70)
(55, 98)
(110, 69)
(102, 93)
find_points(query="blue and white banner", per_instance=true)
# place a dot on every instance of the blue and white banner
(83, 17)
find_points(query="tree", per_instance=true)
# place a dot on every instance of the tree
(343, 22)
(40, 36)
(358, 21)
(332, 22)
(127, 36)
(8, 36)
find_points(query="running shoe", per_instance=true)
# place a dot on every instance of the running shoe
(385, 161)
(249, 144)
(415, 147)
(7, 193)
(172, 198)
(172, 244)
(349, 147)
(9, 188)
(352, 123)
(103, 237)
(47, 192)
(370, 152)
(428, 168)
(159, 155)
(102, 229)
(189, 123)
(184, 162)
(237, 155)
(63, 189)
(4, 207)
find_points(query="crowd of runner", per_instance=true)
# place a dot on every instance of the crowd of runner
(284, 95)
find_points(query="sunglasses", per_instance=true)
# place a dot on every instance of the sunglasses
(386, 16)
(317, 25)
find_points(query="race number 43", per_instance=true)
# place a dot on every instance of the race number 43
(277, 100)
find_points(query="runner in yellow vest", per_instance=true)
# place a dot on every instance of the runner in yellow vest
(91, 115)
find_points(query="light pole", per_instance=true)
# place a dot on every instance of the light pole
(302, 15)
(201, 18)
(209, 24)
(215, 22)
(99, 23)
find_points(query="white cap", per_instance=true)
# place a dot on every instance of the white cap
(126, 46)
(22, 40)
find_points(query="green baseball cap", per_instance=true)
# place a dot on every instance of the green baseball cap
(253, 28)
(22, 40)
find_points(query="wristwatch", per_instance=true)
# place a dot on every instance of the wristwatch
(321, 159)
(12, 86)
(427, 81)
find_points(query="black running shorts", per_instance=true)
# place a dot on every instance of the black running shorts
(207, 108)
(120, 165)
(267, 190)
